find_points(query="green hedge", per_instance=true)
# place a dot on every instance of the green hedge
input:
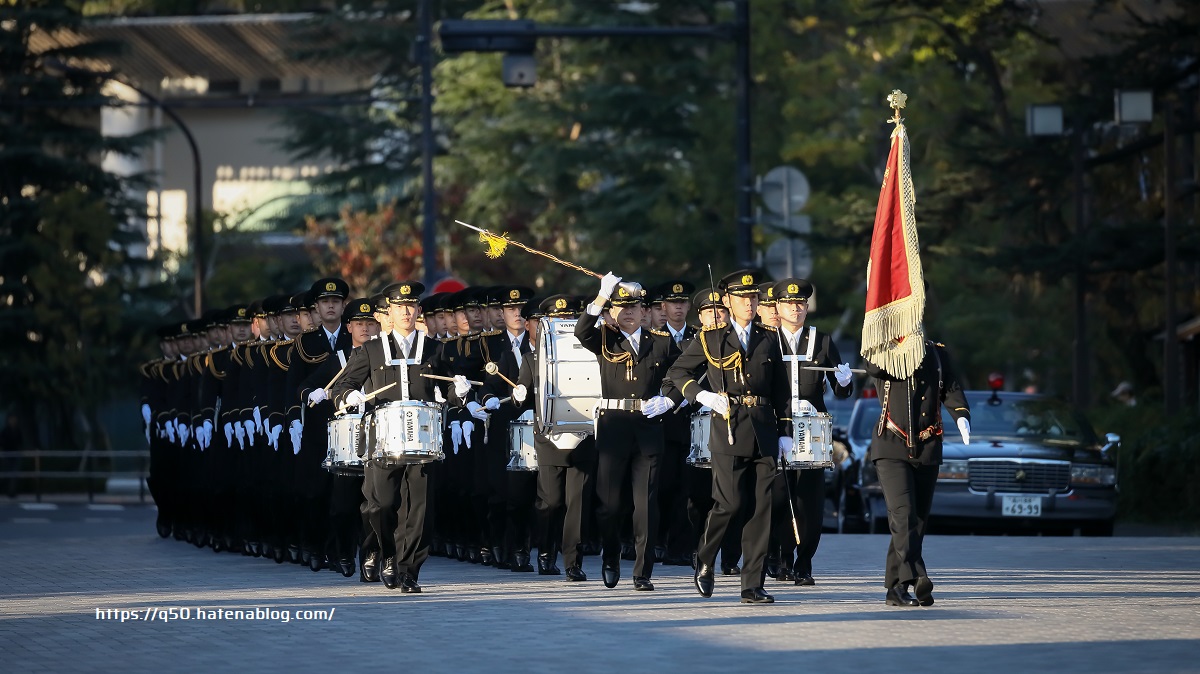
(1159, 463)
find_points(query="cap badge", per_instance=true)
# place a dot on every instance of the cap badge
(331, 286)
(364, 308)
(677, 288)
(793, 288)
(404, 290)
(514, 294)
(747, 280)
(623, 292)
(241, 313)
(560, 304)
(713, 297)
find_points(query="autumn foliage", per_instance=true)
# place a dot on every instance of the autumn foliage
(366, 248)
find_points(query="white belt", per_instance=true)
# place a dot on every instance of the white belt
(627, 404)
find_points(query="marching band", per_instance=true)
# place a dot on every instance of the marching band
(369, 433)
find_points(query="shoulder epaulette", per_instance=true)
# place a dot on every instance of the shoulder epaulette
(660, 333)
(282, 365)
(474, 336)
(939, 344)
(772, 328)
(491, 333)
(718, 326)
(312, 329)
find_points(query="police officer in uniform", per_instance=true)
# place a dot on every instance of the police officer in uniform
(747, 392)
(906, 450)
(806, 486)
(629, 433)
(675, 543)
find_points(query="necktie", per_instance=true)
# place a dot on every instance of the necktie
(742, 337)
(333, 342)
(516, 348)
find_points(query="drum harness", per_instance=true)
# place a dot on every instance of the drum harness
(795, 361)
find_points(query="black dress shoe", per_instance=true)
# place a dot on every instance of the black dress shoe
(546, 565)
(924, 591)
(369, 569)
(346, 566)
(804, 579)
(898, 596)
(294, 555)
(642, 584)
(703, 577)
(628, 552)
(677, 560)
(280, 555)
(731, 570)
(408, 584)
(521, 563)
(391, 580)
(757, 596)
(460, 553)
(772, 567)
(163, 528)
(785, 575)
(660, 553)
(499, 560)
(305, 557)
(576, 574)
(487, 557)
(611, 574)
(473, 555)
(316, 561)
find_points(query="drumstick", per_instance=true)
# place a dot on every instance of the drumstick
(335, 378)
(370, 395)
(438, 376)
(831, 369)
(492, 368)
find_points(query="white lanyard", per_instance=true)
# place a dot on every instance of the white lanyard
(403, 363)
(795, 361)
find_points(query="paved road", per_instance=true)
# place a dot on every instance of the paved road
(1004, 604)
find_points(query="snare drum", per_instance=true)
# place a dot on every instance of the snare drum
(406, 431)
(342, 457)
(568, 379)
(521, 453)
(700, 456)
(812, 442)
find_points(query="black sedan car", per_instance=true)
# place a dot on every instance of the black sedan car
(1034, 464)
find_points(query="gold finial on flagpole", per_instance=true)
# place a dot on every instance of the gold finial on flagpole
(896, 100)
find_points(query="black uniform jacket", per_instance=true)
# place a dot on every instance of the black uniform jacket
(917, 437)
(758, 421)
(367, 370)
(623, 373)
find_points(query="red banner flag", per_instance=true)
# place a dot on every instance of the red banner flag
(893, 337)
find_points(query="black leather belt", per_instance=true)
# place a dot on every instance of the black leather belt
(627, 404)
(750, 401)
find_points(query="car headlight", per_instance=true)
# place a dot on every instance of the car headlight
(1093, 475)
(953, 471)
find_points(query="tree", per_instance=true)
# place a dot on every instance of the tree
(62, 242)
(366, 248)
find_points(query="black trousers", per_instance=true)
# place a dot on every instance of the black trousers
(628, 446)
(397, 507)
(807, 489)
(908, 491)
(560, 510)
(345, 530)
(741, 483)
(700, 502)
(672, 499)
(521, 493)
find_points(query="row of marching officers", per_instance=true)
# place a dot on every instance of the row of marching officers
(238, 413)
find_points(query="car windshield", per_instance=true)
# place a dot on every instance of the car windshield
(1044, 419)
(840, 409)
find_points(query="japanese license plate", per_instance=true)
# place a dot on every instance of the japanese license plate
(1021, 506)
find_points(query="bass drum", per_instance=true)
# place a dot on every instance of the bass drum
(568, 378)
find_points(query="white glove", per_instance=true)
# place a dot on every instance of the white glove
(258, 422)
(608, 284)
(249, 426)
(656, 406)
(719, 404)
(683, 403)
(208, 432)
(843, 374)
(437, 395)
(240, 434)
(317, 396)
(456, 435)
(275, 431)
(295, 429)
(785, 445)
(228, 434)
(468, 427)
(964, 427)
(146, 414)
(185, 432)
(461, 386)
(355, 399)
(492, 404)
(519, 394)
(170, 427)
(476, 411)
